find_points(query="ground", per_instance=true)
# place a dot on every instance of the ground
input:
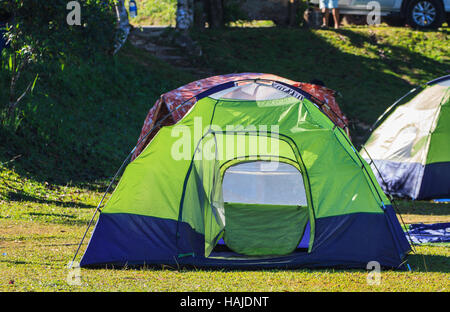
(41, 225)
(41, 222)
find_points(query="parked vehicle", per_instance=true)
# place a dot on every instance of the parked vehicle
(416, 13)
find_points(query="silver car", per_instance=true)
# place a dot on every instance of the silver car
(416, 13)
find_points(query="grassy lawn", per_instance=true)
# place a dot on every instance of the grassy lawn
(68, 147)
(41, 224)
(154, 12)
(370, 67)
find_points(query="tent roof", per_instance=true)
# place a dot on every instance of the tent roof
(172, 99)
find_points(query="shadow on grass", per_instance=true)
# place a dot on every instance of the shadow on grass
(429, 263)
(59, 218)
(19, 196)
(406, 207)
(400, 60)
(368, 84)
(15, 262)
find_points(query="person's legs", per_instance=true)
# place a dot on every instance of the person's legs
(325, 16)
(335, 17)
(335, 11)
(323, 6)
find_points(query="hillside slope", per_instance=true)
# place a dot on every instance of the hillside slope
(83, 119)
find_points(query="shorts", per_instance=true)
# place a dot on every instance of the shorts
(328, 4)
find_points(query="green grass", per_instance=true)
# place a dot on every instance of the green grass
(371, 67)
(41, 225)
(81, 122)
(83, 119)
(154, 12)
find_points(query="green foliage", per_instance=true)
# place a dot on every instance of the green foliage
(232, 11)
(65, 130)
(83, 119)
(42, 26)
(38, 33)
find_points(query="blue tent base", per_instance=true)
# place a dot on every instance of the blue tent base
(413, 180)
(346, 241)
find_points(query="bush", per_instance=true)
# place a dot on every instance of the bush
(37, 32)
(73, 122)
(82, 120)
(42, 25)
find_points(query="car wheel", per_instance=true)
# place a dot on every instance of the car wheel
(425, 14)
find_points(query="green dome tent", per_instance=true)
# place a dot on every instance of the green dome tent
(411, 147)
(254, 175)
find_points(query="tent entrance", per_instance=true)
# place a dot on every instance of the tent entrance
(265, 208)
(255, 201)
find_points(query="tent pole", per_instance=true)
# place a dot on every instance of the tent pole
(120, 169)
(99, 205)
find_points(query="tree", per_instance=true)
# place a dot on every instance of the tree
(185, 15)
(198, 12)
(216, 13)
(123, 27)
